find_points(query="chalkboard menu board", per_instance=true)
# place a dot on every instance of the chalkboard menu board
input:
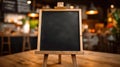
(60, 31)
(22, 6)
(9, 5)
(16, 6)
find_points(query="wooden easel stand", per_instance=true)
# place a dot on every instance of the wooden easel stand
(73, 56)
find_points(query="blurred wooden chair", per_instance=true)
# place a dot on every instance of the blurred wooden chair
(26, 42)
(5, 42)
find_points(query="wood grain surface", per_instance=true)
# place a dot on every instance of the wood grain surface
(88, 59)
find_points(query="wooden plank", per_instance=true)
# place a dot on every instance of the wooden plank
(60, 9)
(59, 52)
(59, 59)
(45, 60)
(39, 29)
(74, 60)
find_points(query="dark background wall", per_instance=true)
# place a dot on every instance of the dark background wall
(102, 6)
(1, 15)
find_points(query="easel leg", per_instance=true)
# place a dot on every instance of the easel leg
(59, 59)
(45, 60)
(74, 60)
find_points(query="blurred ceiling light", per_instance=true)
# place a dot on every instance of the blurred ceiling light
(28, 2)
(92, 10)
(33, 13)
(112, 6)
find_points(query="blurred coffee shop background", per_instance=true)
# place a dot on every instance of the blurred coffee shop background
(101, 27)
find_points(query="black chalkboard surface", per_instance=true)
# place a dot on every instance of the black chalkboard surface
(60, 30)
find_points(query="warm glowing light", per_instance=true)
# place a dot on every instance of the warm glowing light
(99, 25)
(92, 12)
(28, 2)
(111, 6)
(71, 7)
(92, 30)
(33, 15)
(85, 26)
(109, 19)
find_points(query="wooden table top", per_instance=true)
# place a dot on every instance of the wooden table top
(88, 59)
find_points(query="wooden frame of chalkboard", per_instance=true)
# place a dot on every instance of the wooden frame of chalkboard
(47, 36)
